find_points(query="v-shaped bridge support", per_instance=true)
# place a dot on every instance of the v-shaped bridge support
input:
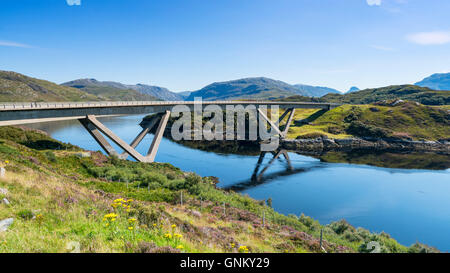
(96, 128)
(275, 126)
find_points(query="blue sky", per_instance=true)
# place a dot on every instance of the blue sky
(186, 44)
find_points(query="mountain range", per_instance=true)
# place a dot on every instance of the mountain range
(315, 91)
(438, 81)
(257, 88)
(112, 89)
(18, 87)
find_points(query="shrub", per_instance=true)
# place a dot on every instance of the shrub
(50, 156)
(351, 236)
(25, 214)
(148, 178)
(152, 185)
(175, 184)
(312, 136)
(192, 180)
(361, 129)
(335, 130)
(354, 115)
(306, 220)
(341, 226)
(170, 176)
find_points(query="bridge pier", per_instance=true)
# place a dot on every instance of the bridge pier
(157, 138)
(139, 137)
(95, 133)
(96, 128)
(275, 126)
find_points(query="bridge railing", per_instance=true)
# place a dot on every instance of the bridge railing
(47, 105)
(59, 105)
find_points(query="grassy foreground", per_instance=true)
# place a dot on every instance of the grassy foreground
(63, 198)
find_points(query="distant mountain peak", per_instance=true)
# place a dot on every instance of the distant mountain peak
(353, 89)
(245, 88)
(315, 91)
(257, 88)
(437, 81)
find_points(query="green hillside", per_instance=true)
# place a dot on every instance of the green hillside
(419, 94)
(15, 87)
(59, 194)
(422, 95)
(18, 87)
(407, 120)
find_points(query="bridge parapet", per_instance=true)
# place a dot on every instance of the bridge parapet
(7, 106)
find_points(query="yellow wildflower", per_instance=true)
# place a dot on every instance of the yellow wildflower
(174, 226)
(110, 216)
(243, 249)
(7, 161)
(180, 247)
(132, 220)
(130, 228)
(232, 245)
(168, 236)
(177, 235)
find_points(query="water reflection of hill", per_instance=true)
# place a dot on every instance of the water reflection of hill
(426, 161)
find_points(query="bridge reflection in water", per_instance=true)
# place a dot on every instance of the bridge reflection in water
(258, 177)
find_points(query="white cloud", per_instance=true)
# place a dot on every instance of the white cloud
(13, 44)
(373, 2)
(73, 2)
(430, 38)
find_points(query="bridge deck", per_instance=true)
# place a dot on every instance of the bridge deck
(31, 112)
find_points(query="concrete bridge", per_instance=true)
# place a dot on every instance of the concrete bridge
(87, 113)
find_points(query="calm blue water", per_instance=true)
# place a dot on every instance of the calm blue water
(410, 205)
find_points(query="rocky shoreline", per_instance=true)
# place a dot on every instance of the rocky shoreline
(322, 145)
